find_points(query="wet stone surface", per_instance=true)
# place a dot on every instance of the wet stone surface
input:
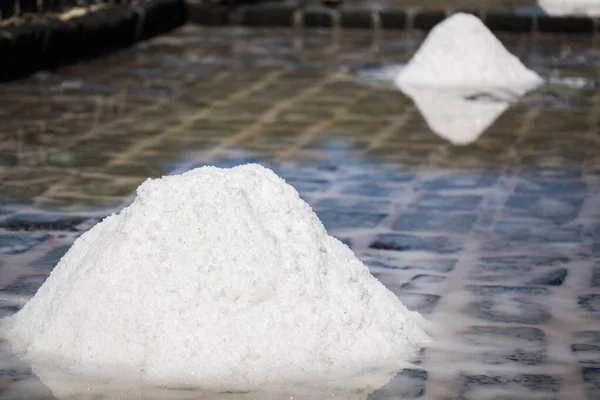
(505, 345)
(548, 271)
(496, 242)
(24, 286)
(522, 305)
(525, 386)
(586, 347)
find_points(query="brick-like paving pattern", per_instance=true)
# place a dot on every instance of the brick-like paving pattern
(495, 242)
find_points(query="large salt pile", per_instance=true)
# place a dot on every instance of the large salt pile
(459, 60)
(218, 278)
(571, 7)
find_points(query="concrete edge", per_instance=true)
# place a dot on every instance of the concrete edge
(276, 15)
(29, 46)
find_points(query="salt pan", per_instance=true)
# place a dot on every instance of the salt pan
(220, 279)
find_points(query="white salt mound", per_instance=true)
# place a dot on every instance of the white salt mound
(462, 52)
(571, 7)
(220, 278)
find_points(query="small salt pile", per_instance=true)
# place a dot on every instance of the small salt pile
(462, 52)
(220, 279)
(590, 8)
(461, 59)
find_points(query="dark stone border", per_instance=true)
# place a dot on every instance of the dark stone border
(31, 44)
(271, 15)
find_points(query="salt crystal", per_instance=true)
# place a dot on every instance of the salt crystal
(221, 279)
(462, 52)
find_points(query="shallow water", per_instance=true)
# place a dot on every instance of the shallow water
(495, 242)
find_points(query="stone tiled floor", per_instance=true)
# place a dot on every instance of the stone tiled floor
(495, 242)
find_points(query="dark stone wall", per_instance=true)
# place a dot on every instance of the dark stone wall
(44, 41)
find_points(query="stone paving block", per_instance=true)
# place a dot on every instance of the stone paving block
(317, 18)
(43, 222)
(24, 285)
(379, 260)
(27, 192)
(373, 106)
(408, 384)
(345, 220)
(500, 387)
(461, 181)
(556, 210)
(335, 142)
(586, 347)
(309, 186)
(591, 382)
(267, 16)
(435, 222)
(20, 242)
(503, 21)
(425, 283)
(522, 305)
(503, 345)
(49, 260)
(393, 19)
(589, 304)
(356, 19)
(134, 169)
(524, 230)
(400, 154)
(103, 187)
(552, 173)
(529, 270)
(401, 242)
(390, 175)
(567, 24)
(76, 203)
(368, 189)
(552, 187)
(7, 309)
(18, 371)
(439, 202)
(345, 204)
(595, 277)
(422, 303)
(345, 240)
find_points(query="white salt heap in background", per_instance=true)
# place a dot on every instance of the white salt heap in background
(461, 59)
(462, 52)
(571, 7)
(220, 278)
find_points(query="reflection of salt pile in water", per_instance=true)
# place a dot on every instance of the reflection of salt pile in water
(460, 59)
(571, 7)
(219, 278)
(453, 115)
